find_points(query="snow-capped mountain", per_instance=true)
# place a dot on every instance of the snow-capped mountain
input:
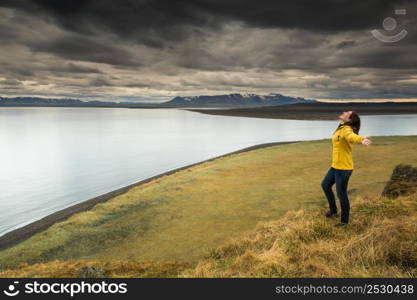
(234, 100)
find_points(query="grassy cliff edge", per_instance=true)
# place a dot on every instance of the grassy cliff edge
(380, 242)
(218, 219)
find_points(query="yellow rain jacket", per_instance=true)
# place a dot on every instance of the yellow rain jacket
(342, 141)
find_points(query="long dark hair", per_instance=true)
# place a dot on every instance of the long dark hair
(354, 122)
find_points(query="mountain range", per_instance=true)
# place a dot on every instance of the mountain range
(235, 100)
(217, 101)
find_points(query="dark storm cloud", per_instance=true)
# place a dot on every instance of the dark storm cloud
(345, 44)
(12, 82)
(17, 71)
(84, 49)
(100, 81)
(153, 23)
(73, 68)
(164, 48)
(156, 22)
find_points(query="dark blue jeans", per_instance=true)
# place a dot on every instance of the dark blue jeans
(341, 178)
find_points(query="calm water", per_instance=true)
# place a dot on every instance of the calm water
(51, 158)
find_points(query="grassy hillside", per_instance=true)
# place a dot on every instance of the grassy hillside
(380, 242)
(176, 219)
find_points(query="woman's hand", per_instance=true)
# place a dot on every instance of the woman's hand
(367, 141)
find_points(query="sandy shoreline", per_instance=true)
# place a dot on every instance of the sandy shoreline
(20, 234)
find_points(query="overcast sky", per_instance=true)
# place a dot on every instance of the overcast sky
(155, 50)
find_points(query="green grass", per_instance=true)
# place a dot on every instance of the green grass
(180, 217)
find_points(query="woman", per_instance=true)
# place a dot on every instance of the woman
(344, 136)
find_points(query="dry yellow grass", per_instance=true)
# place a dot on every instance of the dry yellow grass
(76, 269)
(380, 242)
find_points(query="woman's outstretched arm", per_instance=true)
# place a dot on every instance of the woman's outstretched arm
(352, 137)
